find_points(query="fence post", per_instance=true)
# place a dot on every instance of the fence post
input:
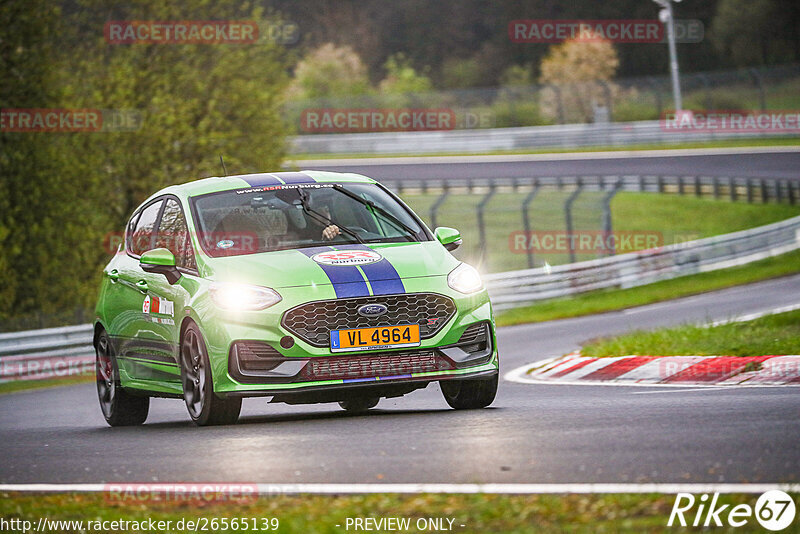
(680, 185)
(568, 216)
(707, 86)
(438, 203)
(759, 81)
(697, 187)
(607, 227)
(764, 192)
(660, 182)
(526, 222)
(657, 91)
(790, 187)
(559, 103)
(484, 260)
(715, 185)
(732, 192)
(749, 190)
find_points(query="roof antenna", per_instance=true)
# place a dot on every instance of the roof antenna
(223, 165)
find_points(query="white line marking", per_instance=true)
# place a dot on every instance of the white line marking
(707, 388)
(510, 158)
(757, 315)
(511, 489)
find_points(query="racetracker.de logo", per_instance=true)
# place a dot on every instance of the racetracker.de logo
(615, 31)
(182, 492)
(69, 120)
(338, 120)
(181, 32)
(732, 121)
(582, 241)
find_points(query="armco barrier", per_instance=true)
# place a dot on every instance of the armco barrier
(59, 351)
(517, 288)
(494, 139)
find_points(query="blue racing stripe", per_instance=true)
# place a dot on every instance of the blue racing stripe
(383, 277)
(295, 178)
(260, 180)
(346, 279)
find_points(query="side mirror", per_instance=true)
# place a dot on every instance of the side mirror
(160, 261)
(449, 237)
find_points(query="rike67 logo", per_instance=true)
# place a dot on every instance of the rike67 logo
(774, 510)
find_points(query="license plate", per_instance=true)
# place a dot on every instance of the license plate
(382, 337)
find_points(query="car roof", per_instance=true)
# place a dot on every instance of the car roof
(226, 183)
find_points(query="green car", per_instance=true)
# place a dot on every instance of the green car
(306, 287)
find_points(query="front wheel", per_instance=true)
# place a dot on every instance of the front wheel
(469, 394)
(205, 408)
(119, 407)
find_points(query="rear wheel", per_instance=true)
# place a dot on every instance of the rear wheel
(205, 408)
(359, 405)
(119, 407)
(469, 394)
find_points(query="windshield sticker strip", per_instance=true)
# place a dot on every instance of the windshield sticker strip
(382, 276)
(347, 280)
(295, 178)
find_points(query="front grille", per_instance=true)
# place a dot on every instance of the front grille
(380, 365)
(313, 321)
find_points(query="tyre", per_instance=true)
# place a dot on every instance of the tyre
(469, 394)
(205, 408)
(359, 405)
(119, 407)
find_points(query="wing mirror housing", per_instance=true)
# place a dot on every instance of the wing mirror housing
(450, 238)
(160, 261)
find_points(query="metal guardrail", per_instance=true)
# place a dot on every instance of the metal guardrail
(48, 353)
(67, 351)
(494, 139)
(518, 288)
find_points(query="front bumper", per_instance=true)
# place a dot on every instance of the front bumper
(289, 369)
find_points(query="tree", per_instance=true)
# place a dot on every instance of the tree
(580, 72)
(753, 32)
(329, 71)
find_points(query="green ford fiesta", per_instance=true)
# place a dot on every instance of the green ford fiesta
(305, 287)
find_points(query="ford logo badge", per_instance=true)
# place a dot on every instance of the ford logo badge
(372, 310)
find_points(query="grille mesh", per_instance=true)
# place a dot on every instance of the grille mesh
(313, 321)
(383, 365)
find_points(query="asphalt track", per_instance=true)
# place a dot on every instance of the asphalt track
(531, 434)
(766, 162)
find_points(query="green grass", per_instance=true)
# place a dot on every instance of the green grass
(24, 385)
(670, 218)
(722, 143)
(321, 514)
(772, 334)
(609, 300)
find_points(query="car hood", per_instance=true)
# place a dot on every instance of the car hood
(293, 268)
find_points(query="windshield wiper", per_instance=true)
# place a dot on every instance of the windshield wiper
(386, 214)
(319, 217)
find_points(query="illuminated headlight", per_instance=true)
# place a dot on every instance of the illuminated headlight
(465, 279)
(243, 297)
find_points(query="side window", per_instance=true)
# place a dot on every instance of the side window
(173, 235)
(142, 238)
(129, 232)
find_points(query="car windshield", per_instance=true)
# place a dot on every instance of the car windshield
(264, 219)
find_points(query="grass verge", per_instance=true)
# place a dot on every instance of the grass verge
(24, 385)
(772, 334)
(618, 299)
(322, 514)
(722, 143)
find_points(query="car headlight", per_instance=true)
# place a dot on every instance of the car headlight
(465, 279)
(243, 297)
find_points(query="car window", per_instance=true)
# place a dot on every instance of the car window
(296, 216)
(173, 234)
(142, 239)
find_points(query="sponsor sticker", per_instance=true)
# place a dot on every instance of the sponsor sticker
(347, 257)
(158, 305)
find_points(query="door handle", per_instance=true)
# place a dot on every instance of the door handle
(113, 274)
(141, 285)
